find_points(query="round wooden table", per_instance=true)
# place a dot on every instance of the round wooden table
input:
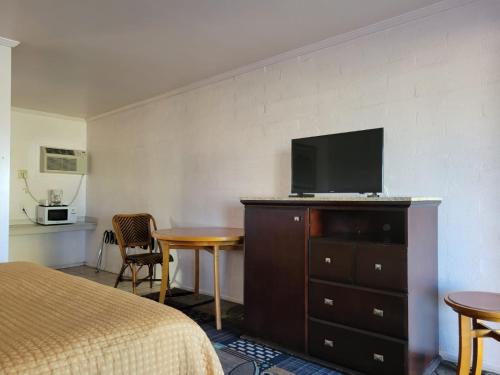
(210, 239)
(472, 307)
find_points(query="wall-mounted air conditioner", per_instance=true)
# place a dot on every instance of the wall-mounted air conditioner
(60, 160)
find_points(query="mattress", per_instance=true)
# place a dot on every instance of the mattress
(54, 323)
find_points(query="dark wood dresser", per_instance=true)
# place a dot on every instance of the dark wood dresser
(352, 282)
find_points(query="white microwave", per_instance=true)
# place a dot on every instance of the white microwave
(49, 215)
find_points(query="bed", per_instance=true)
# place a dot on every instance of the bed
(54, 323)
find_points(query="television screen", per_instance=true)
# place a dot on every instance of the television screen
(338, 163)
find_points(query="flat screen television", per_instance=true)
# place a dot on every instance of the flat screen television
(338, 163)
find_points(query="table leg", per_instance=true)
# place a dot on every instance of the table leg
(197, 272)
(464, 326)
(477, 351)
(218, 320)
(164, 271)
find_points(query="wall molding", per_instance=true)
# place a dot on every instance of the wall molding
(402, 19)
(8, 42)
(46, 114)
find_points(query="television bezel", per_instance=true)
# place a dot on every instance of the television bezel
(309, 192)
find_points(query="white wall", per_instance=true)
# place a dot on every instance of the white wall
(5, 78)
(433, 84)
(30, 130)
(57, 250)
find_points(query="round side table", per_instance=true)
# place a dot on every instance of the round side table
(212, 240)
(472, 309)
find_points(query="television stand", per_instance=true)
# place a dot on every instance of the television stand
(301, 195)
(355, 273)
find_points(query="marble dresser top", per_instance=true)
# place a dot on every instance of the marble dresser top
(345, 199)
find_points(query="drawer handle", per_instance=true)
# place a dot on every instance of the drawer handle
(328, 260)
(328, 343)
(296, 218)
(328, 301)
(378, 357)
(378, 312)
(378, 267)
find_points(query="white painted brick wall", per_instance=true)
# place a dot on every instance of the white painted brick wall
(5, 89)
(433, 84)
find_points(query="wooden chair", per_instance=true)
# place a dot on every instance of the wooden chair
(471, 308)
(134, 231)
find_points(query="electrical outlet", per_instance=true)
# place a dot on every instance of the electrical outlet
(22, 173)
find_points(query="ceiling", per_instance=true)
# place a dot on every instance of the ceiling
(84, 58)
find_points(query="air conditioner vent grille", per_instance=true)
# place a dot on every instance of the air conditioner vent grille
(61, 164)
(69, 165)
(54, 164)
(60, 151)
(56, 160)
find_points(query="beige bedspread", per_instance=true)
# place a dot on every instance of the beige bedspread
(53, 323)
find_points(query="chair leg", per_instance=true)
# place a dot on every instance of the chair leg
(134, 277)
(119, 278)
(150, 267)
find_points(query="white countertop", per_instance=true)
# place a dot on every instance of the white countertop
(27, 229)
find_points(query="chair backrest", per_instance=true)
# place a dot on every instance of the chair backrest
(133, 230)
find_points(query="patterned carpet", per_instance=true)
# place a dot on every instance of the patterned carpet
(243, 357)
(240, 356)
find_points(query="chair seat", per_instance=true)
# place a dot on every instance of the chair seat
(145, 258)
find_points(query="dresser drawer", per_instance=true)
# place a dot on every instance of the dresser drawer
(358, 308)
(381, 266)
(331, 260)
(364, 352)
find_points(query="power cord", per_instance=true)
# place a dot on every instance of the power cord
(28, 191)
(77, 190)
(28, 216)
